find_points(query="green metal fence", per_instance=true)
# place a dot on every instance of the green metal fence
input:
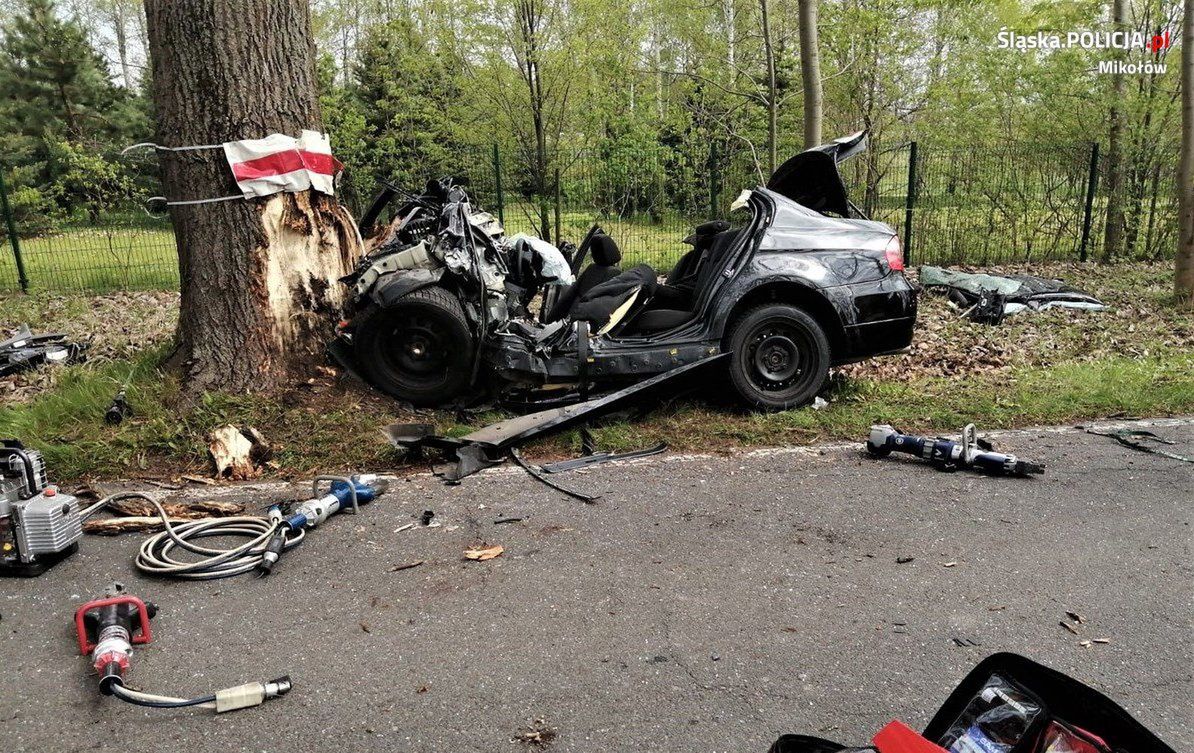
(981, 205)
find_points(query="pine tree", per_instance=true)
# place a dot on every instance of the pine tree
(55, 88)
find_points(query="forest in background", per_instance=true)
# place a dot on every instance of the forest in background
(639, 92)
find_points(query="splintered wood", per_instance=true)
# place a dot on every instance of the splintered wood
(140, 515)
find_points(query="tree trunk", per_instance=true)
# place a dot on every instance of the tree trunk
(529, 16)
(122, 47)
(1114, 228)
(259, 290)
(772, 88)
(810, 73)
(731, 32)
(1184, 276)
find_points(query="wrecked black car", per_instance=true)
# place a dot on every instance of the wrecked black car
(444, 304)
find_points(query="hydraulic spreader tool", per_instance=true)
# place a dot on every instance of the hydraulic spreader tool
(950, 454)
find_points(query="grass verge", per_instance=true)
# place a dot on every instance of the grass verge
(337, 429)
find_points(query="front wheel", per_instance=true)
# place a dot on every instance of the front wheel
(780, 357)
(420, 349)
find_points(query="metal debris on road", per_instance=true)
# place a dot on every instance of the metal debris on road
(1137, 439)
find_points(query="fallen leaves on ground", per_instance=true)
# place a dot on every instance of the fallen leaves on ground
(1141, 319)
(538, 735)
(116, 326)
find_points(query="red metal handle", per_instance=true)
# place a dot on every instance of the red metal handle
(141, 634)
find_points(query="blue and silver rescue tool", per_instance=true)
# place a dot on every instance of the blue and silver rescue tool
(950, 454)
(344, 493)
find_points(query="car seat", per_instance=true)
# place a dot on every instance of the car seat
(606, 256)
(676, 291)
(670, 311)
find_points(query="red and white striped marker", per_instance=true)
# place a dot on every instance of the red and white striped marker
(282, 163)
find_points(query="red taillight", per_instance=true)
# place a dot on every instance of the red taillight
(894, 254)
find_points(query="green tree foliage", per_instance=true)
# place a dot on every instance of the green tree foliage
(58, 110)
(90, 182)
(394, 121)
(642, 93)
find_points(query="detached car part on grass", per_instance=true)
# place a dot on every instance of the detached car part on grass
(490, 445)
(988, 299)
(442, 304)
(26, 350)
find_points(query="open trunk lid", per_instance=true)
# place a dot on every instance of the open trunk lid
(811, 178)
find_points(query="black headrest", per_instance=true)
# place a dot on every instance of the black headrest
(605, 252)
(704, 232)
(712, 226)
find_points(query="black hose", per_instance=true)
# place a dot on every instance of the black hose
(122, 693)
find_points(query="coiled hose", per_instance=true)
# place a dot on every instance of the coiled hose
(156, 555)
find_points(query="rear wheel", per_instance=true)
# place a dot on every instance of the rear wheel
(420, 349)
(780, 357)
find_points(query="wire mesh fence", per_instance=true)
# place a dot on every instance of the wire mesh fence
(980, 205)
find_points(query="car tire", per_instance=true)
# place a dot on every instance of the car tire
(779, 357)
(419, 349)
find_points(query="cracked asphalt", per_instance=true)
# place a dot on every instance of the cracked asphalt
(704, 604)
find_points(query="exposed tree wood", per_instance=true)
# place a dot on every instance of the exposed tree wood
(259, 291)
(138, 515)
(134, 507)
(237, 453)
(810, 73)
(1184, 276)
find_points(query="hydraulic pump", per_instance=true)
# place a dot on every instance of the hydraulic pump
(39, 525)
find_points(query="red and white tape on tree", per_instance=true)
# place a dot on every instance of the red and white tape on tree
(263, 167)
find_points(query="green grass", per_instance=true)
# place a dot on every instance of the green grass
(162, 439)
(96, 259)
(1051, 367)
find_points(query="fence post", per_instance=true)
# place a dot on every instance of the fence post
(1092, 181)
(22, 278)
(497, 184)
(909, 204)
(714, 189)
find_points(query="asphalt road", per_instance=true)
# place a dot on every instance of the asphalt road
(705, 604)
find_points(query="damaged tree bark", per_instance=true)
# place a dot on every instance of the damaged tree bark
(259, 290)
